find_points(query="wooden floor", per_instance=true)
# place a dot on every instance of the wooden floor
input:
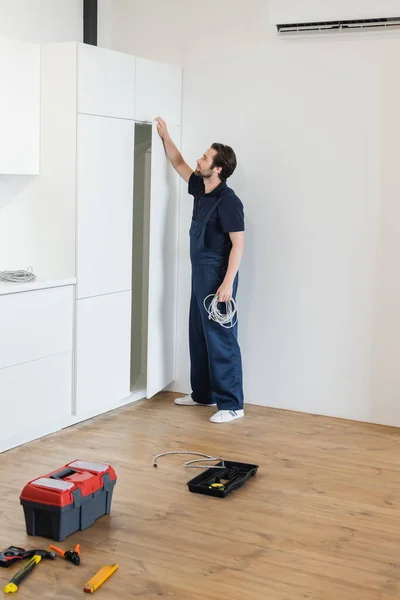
(321, 520)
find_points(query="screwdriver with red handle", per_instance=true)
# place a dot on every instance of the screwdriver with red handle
(70, 555)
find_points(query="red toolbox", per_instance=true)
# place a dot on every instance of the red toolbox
(68, 500)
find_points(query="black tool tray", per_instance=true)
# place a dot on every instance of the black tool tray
(220, 482)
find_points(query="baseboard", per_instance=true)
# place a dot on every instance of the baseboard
(30, 435)
(176, 388)
(101, 410)
(68, 421)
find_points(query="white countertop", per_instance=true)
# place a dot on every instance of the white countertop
(37, 284)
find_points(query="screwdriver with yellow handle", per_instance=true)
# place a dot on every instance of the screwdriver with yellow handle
(15, 582)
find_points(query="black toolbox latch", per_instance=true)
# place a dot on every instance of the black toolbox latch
(77, 496)
(106, 480)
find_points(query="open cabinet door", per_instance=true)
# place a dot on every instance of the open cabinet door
(163, 263)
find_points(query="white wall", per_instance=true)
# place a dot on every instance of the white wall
(316, 129)
(385, 375)
(42, 20)
(29, 205)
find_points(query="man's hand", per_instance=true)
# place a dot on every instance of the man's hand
(162, 128)
(172, 152)
(225, 292)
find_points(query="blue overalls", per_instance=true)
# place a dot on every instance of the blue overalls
(216, 363)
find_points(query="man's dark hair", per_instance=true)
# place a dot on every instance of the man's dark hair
(226, 159)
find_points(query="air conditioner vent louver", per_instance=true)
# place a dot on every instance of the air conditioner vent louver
(340, 26)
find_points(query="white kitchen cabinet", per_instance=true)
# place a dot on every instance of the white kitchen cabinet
(19, 107)
(162, 272)
(70, 352)
(35, 395)
(36, 360)
(102, 368)
(155, 259)
(158, 92)
(35, 324)
(104, 205)
(126, 210)
(106, 82)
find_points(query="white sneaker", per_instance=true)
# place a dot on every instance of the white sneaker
(226, 416)
(188, 401)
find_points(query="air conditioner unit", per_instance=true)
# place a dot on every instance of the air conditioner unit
(305, 16)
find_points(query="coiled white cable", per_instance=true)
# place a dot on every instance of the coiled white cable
(190, 463)
(17, 276)
(227, 319)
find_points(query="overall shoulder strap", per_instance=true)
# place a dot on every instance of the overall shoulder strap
(211, 211)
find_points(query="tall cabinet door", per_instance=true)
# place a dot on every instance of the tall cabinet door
(163, 263)
(104, 205)
(102, 369)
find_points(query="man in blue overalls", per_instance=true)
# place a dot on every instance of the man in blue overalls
(216, 248)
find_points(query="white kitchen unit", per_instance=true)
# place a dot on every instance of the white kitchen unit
(158, 92)
(103, 344)
(35, 325)
(36, 359)
(127, 197)
(104, 205)
(162, 271)
(19, 107)
(154, 264)
(106, 82)
(36, 398)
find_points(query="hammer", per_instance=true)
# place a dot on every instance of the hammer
(35, 557)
